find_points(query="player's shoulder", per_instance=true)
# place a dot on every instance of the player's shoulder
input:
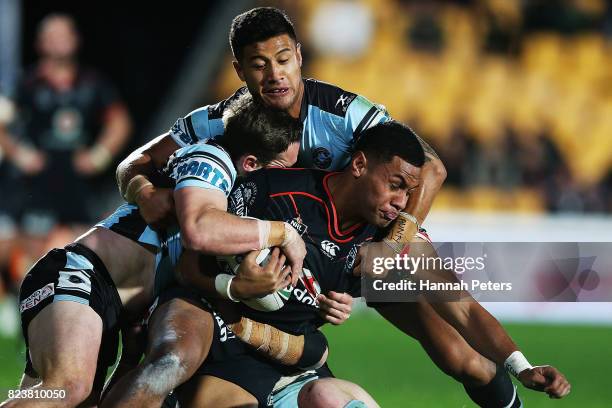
(334, 99)
(206, 148)
(216, 111)
(209, 152)
(282, 180)
(327, 97)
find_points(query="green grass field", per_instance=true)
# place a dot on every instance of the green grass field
(395, 370)
(398, 373)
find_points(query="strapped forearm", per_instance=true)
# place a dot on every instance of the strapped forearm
(305, 351)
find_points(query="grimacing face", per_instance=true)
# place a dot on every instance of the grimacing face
(272, 70)
(385, 188)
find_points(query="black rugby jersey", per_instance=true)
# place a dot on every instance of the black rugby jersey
(301, 198)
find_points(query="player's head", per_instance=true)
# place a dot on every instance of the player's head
(268, 58)
(257, 137)
(57, 37)
(386, 165)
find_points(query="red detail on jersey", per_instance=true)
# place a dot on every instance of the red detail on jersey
(324, 204)
(423, 235)
(310, 287)
(295, 206)
(336, 229)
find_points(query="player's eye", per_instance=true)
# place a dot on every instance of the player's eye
(283, 61)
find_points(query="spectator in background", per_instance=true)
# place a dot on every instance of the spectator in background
(70, 125)
(7, 224)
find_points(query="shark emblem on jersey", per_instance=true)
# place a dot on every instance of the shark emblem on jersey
(321, 157)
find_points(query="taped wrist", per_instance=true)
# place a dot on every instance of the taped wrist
(403, 230)
(134, 187)
(277, 235)
(516, 363)
(315, 345)
(223, 283)
(264, 229)
(270, 341)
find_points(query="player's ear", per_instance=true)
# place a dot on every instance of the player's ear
(250, 163)
(298, 52)
(358, 164)
(238, 70)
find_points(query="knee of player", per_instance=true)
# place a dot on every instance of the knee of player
(322, 394)
(76, 389)
(161, 374)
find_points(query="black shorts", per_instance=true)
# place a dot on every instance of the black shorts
(74, 274)
(233, 360)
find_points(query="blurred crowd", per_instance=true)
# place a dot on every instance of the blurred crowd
(59, 135)
(514, 95)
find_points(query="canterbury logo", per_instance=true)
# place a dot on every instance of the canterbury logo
(329, 248)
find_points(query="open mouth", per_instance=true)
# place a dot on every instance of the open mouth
(389, 215)
(276, 92)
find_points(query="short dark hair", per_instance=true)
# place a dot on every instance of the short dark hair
(256, 25)
(388, 139)
(251, 128)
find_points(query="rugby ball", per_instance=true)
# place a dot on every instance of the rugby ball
(267, 303)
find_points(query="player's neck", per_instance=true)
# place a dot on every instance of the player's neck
(343, 197)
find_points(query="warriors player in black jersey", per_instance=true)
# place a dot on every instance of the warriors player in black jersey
(336, 213)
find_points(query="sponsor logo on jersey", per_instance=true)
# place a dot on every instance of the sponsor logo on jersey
(344, 101)
(321, 157)
(249, 191)
(179, 130)
(204, 170)
(329, 248)
(74, 280)
(225, 333)
(350, 259)
(311, 284)
(236, 203)
(37, 297)
(298, 225)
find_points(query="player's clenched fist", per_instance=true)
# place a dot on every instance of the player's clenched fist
(546, 379)
(156, 206)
